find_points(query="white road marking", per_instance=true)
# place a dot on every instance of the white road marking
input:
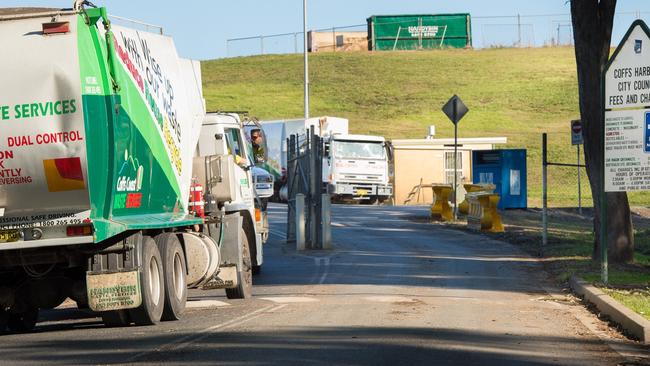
(389, 299)
(326, 268)
(289, 299)
(195, 304)
(278, 234)
(201, 334)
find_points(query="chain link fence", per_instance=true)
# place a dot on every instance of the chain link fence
(518, 30)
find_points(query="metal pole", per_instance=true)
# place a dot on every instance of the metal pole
(227, 48)
(306, 62)
(579, 186)
(518, 30)
(455, 170)
(333, 39)
(295, 43)
(455, 158)
(420, 32)
(262, 44)
(604, 275)
(544, 196)
(313, 194)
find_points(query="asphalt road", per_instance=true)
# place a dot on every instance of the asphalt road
(393, 291)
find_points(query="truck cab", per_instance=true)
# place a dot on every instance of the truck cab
(356, 167)
(222, 150)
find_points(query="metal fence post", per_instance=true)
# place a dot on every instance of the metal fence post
(313, 193)
(300, 221)
(518, 30)
(579, 186)
(291, 177)
(544, 197)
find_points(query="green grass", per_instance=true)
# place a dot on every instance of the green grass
(516, 93)
(638, 301)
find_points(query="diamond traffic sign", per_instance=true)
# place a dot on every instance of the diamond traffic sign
(455, 109)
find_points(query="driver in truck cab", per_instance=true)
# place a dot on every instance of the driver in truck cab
(258, 144)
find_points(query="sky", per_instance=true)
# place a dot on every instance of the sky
(201, 28)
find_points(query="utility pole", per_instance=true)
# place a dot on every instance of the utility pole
(306, 62)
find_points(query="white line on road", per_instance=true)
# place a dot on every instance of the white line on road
(326, 270)
(289, 299)
(277, 233)
(193, 304)
(201, 334)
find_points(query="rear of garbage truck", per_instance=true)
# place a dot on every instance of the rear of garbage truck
(99, 128)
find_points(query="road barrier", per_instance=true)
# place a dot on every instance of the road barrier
(463, 207)
(440, 209)
(483, 212)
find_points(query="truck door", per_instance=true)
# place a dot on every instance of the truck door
(237, 148)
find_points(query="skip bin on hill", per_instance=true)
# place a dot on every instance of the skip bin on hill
(507, 170)
(414, 32)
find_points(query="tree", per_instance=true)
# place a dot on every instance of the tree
(592, 33)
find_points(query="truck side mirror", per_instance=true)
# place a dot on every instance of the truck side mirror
(389, 150)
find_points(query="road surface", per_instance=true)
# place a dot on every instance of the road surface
(393, 291)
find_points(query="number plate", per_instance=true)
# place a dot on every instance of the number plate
(8, 236)
(114, 291)
(362, 192)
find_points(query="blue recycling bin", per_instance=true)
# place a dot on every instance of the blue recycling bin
(506, 169)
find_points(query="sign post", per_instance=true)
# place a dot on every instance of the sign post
(455, 110)
(576, 139)
(626, 133)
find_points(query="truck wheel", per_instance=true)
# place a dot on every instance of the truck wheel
(152, 285)
(23, 322)
(173, 262)
(244, 289)
(116, 318)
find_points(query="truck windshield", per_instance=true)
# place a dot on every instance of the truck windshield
(358, 149)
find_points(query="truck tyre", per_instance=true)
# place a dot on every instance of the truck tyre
(173, 262)
(23, 322)
(152, 284)
(244, 289)
(116, 318)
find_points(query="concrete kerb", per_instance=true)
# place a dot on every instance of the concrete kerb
(633, 323)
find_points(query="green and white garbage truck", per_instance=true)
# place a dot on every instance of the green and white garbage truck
(116, 189)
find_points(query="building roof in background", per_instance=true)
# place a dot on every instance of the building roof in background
(433, 143)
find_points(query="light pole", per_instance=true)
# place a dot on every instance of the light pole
(306, 62)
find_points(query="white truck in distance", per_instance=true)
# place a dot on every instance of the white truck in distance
(355, 167)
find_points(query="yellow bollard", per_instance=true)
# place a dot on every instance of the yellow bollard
(463, 207)
(440, 209)
(483, 212)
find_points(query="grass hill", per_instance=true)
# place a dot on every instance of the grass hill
(517, 93)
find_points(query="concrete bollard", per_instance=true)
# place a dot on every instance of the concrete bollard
(326, 216)
(300, 221)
